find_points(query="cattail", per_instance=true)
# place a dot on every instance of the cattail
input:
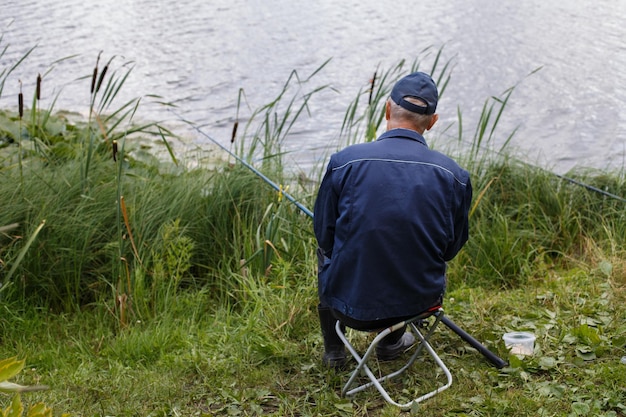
(20, 102)
(115, 151)
(95, 74)
(104, 71)
(93, 79)
(372, 88)
(232, 139)
(38, 90)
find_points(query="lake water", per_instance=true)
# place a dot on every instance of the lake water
(199, 54)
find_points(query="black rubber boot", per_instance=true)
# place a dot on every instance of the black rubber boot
(394, 344)
(334, 351)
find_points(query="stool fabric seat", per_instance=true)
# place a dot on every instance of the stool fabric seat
(422, 342)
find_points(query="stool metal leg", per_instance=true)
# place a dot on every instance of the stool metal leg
(362, 367)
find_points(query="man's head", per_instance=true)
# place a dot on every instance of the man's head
(418, 86)
(413, 103)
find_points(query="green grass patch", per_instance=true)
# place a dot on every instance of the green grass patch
(133, 285)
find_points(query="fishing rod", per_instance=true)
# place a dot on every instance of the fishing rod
(492, 357)
(250, 167)
(590, 187)
(561, 177)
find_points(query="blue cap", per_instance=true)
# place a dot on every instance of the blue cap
(417, 85)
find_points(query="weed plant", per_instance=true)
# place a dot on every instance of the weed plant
(155, 289)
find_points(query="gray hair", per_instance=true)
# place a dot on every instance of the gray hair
(420, 121)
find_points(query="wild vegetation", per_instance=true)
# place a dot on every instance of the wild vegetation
(135, 285)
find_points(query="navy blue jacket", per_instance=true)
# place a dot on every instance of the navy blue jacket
(388, 216)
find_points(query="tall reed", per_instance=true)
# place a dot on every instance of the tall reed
(362, 122)
(7, 71)
(55, 148)
(110, 242)
(269, 125)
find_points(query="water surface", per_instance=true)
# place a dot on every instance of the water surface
(199, 54)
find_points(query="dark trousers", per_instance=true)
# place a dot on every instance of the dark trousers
(369, 325)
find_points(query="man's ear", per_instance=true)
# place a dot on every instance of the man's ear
(387, 110)
(433, 120)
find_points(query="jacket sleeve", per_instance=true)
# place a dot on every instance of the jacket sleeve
(461, 221)
(325, 213)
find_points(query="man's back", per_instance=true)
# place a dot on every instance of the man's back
(399, 215)
(388, 216)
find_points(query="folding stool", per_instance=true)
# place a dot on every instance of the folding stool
(421, 341)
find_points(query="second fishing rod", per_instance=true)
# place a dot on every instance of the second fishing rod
(489, 355)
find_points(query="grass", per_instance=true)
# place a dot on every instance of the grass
(262, 357)
(195, 293)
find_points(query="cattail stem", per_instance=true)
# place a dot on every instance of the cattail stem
(104, 71)
(127, 224)
(93, 79)
(95, 74)
(232, 138)
(20, 99)
(20, 102)
(373, 83)
(38, 90)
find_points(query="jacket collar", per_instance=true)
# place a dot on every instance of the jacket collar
(403, 134)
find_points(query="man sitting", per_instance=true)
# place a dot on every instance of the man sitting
(388, 216)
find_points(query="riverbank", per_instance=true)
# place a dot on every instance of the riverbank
(262, 357)
(136, 286)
